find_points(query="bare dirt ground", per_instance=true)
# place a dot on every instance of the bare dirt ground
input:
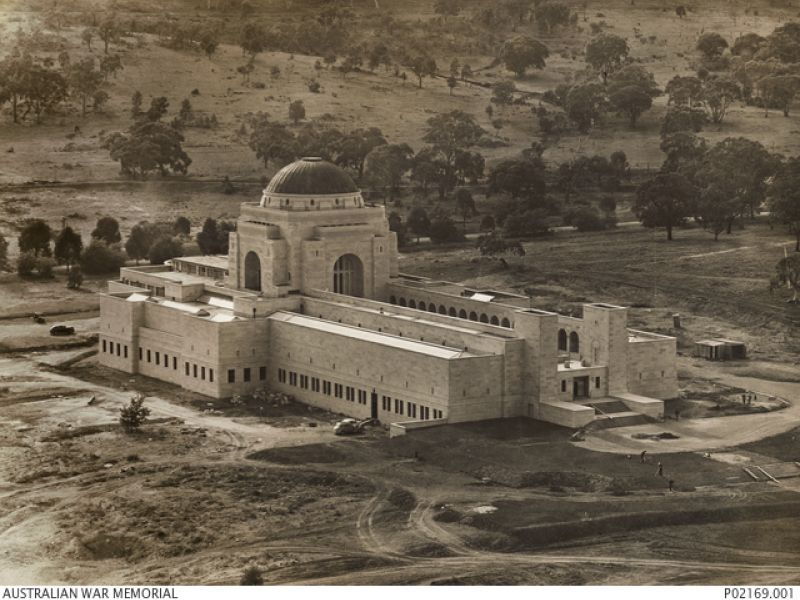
(197, 496)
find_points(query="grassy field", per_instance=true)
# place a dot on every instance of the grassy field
(52, 150)
(721, 289)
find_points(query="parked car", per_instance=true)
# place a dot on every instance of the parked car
(62, 330)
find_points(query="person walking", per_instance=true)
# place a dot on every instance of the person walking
(671, 485)
(660, 469)
(642, 456)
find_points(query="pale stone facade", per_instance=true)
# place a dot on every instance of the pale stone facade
(309, 301)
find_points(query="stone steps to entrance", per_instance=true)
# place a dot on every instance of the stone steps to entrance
(620, 419)
(607, 406)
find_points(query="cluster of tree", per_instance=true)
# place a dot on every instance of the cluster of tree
(551, 15)
(213, 237)
(37, 86)
(150, 144)
(525, 209)
(275, 142)
(187, 117)
(439, 226)
(182, 34)
(714, 185)
(447, 160)
(100, 256)
(699, 100)
(41, 248)
(763, 71)
(157, 242)
(592, 172)
(628, 91)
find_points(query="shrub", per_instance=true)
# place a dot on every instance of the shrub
(132, 416)
(585, 218)
(487, 223)
(26, 263)
(444, 230)
(252, 576)
(44, 266)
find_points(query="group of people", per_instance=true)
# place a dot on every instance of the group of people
(660, 472)
(748, 397)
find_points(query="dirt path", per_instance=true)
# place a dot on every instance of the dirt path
(441, 568)
(712, 433)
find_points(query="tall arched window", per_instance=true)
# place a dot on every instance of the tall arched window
(252, 272)
(505, 322)
(412, 304)
(392, 300)
(422, 305)
(473, 316)
(432, 307)
(484, 318)
(452, 312)
(562, 340)
(494, 320)
(442, 309)
(348, 276)
(462, 314)
(573, 342)
(402, 301)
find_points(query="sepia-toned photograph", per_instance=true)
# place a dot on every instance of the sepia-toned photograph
(399, 292)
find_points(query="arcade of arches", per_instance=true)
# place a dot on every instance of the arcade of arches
(451, 311)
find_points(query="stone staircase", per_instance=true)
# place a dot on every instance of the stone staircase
(613, 412)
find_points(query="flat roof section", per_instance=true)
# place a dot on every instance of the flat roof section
(215, 262)
(374, 337)
(389, 311)
(215, 311)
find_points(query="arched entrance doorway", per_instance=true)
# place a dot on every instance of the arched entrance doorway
(252, 272)
(348, 276)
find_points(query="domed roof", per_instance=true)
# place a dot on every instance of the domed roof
(311, 176)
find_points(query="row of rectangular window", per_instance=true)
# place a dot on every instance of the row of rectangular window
(149, 355)
(247, 374)
(121, 349)
(324, 387)
(192, 370)
(352, 394)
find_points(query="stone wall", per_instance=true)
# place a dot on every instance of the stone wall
(652, 369)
